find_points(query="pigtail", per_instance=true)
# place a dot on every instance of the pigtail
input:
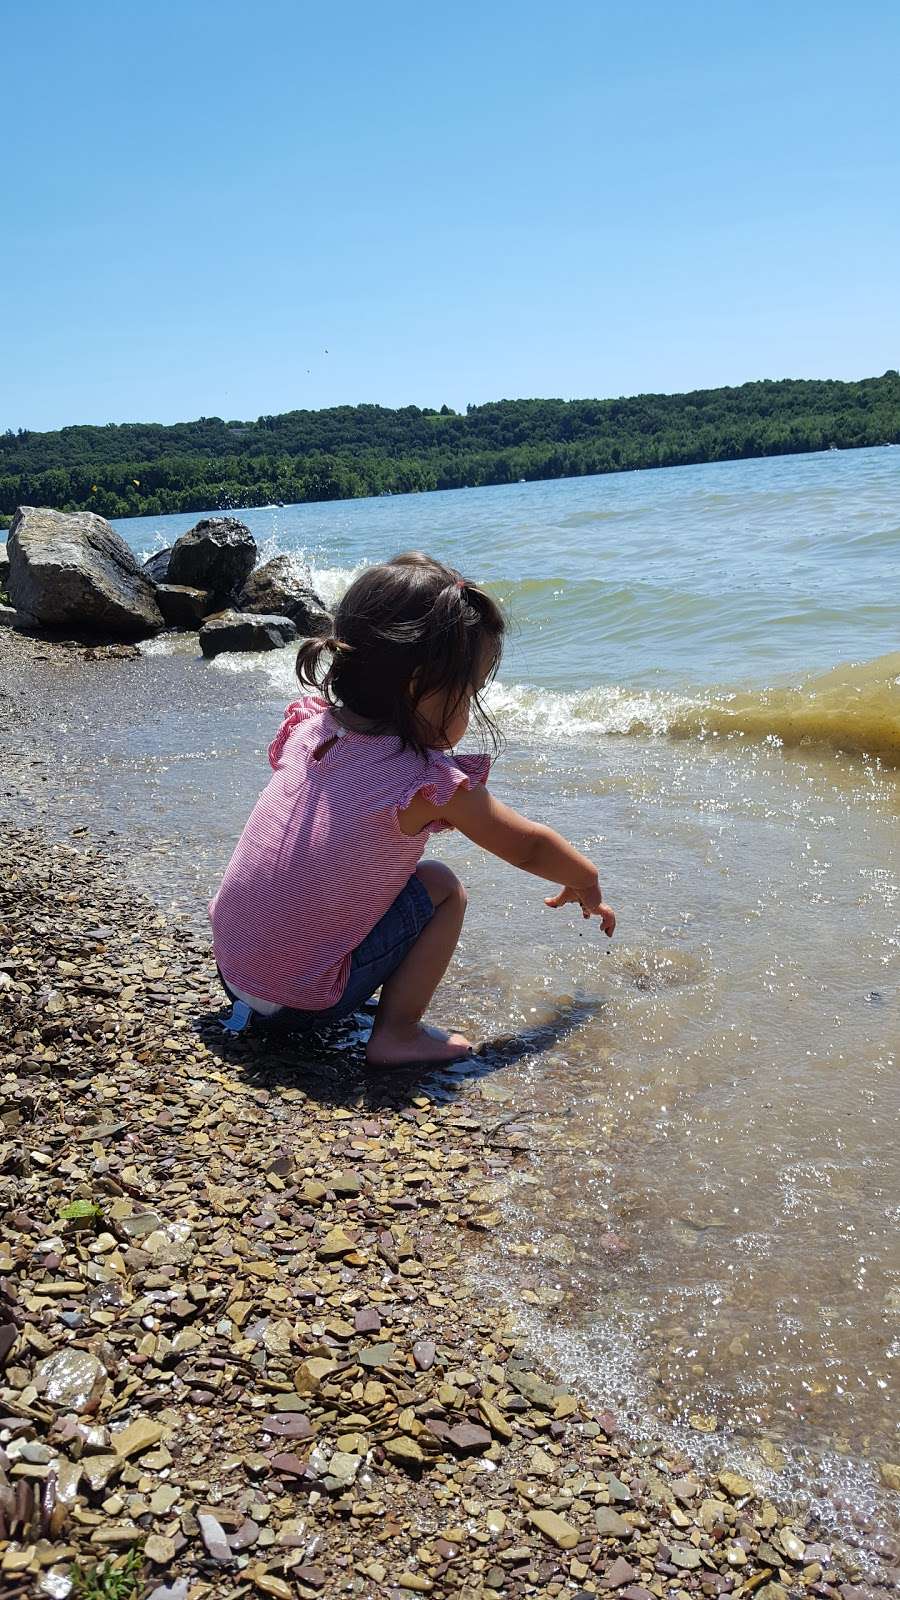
(309, 660)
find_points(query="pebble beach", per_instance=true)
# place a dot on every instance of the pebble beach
(241, 1348)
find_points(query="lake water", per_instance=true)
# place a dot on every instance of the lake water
(702, 689)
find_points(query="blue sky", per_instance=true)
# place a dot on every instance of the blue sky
(457, 203)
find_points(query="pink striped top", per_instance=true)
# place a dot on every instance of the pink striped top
(323, 855)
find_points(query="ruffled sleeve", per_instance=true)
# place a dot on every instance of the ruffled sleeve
(312, 705)
(442, 777)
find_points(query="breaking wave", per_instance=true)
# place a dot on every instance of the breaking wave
(854, 708)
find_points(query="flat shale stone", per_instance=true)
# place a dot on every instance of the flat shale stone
(554, 1528)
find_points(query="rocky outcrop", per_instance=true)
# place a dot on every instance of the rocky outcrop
(181, 606)
(279, 587)
(241, 630)
(157, 565)
(72, 569)
(217, 554)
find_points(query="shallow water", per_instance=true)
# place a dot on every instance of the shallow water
(707, 1226)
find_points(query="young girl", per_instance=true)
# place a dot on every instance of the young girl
(326, 898)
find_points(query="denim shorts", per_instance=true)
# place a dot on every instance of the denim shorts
(373, 961)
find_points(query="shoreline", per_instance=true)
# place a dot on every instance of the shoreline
(270, 1313)
(113, 1095)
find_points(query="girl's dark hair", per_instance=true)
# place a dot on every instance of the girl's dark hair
(409, 628)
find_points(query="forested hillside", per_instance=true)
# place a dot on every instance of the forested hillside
(347, 451)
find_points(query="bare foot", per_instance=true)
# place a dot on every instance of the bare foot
(403, 1047)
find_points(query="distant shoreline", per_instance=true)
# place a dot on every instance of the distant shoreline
(355, 452)
(288, 505)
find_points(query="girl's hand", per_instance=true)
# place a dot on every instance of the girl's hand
(514, 838)
(592, 904)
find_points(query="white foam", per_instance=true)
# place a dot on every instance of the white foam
(521, 709)
(557, 715)
(333, 582)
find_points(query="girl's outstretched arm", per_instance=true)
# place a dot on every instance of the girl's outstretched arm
(523, 843)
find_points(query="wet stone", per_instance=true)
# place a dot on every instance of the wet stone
(70, 1380)
(424, 1352)
(98, 1470)
(342, 1470)
(794, 1548)
(286, 1426)
(738, 1487)
(245, 1537)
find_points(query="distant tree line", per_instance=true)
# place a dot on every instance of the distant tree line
(132, 469)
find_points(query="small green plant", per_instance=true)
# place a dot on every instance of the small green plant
(118, 1579)
(81, 1213)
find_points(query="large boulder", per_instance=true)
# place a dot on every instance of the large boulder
(217, 554)
(241, 630)
(181, 606)
(282, 588)
(157, 565)
(71, 569)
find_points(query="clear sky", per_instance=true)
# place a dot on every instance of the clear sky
(223, 208)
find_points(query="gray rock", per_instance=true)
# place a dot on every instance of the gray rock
(213, 1535)
(9, 617)
(70, 1380)
(172, 1244)
(610, 1525)
(4, 565)
(531, 1387)
(73, 569)
(686, 1557)
(98, 1470)
(280, 588)
(616, 1489)
(181, 606)
(157, 565)
(217, 554)
(342, 1470)
(240, 630)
